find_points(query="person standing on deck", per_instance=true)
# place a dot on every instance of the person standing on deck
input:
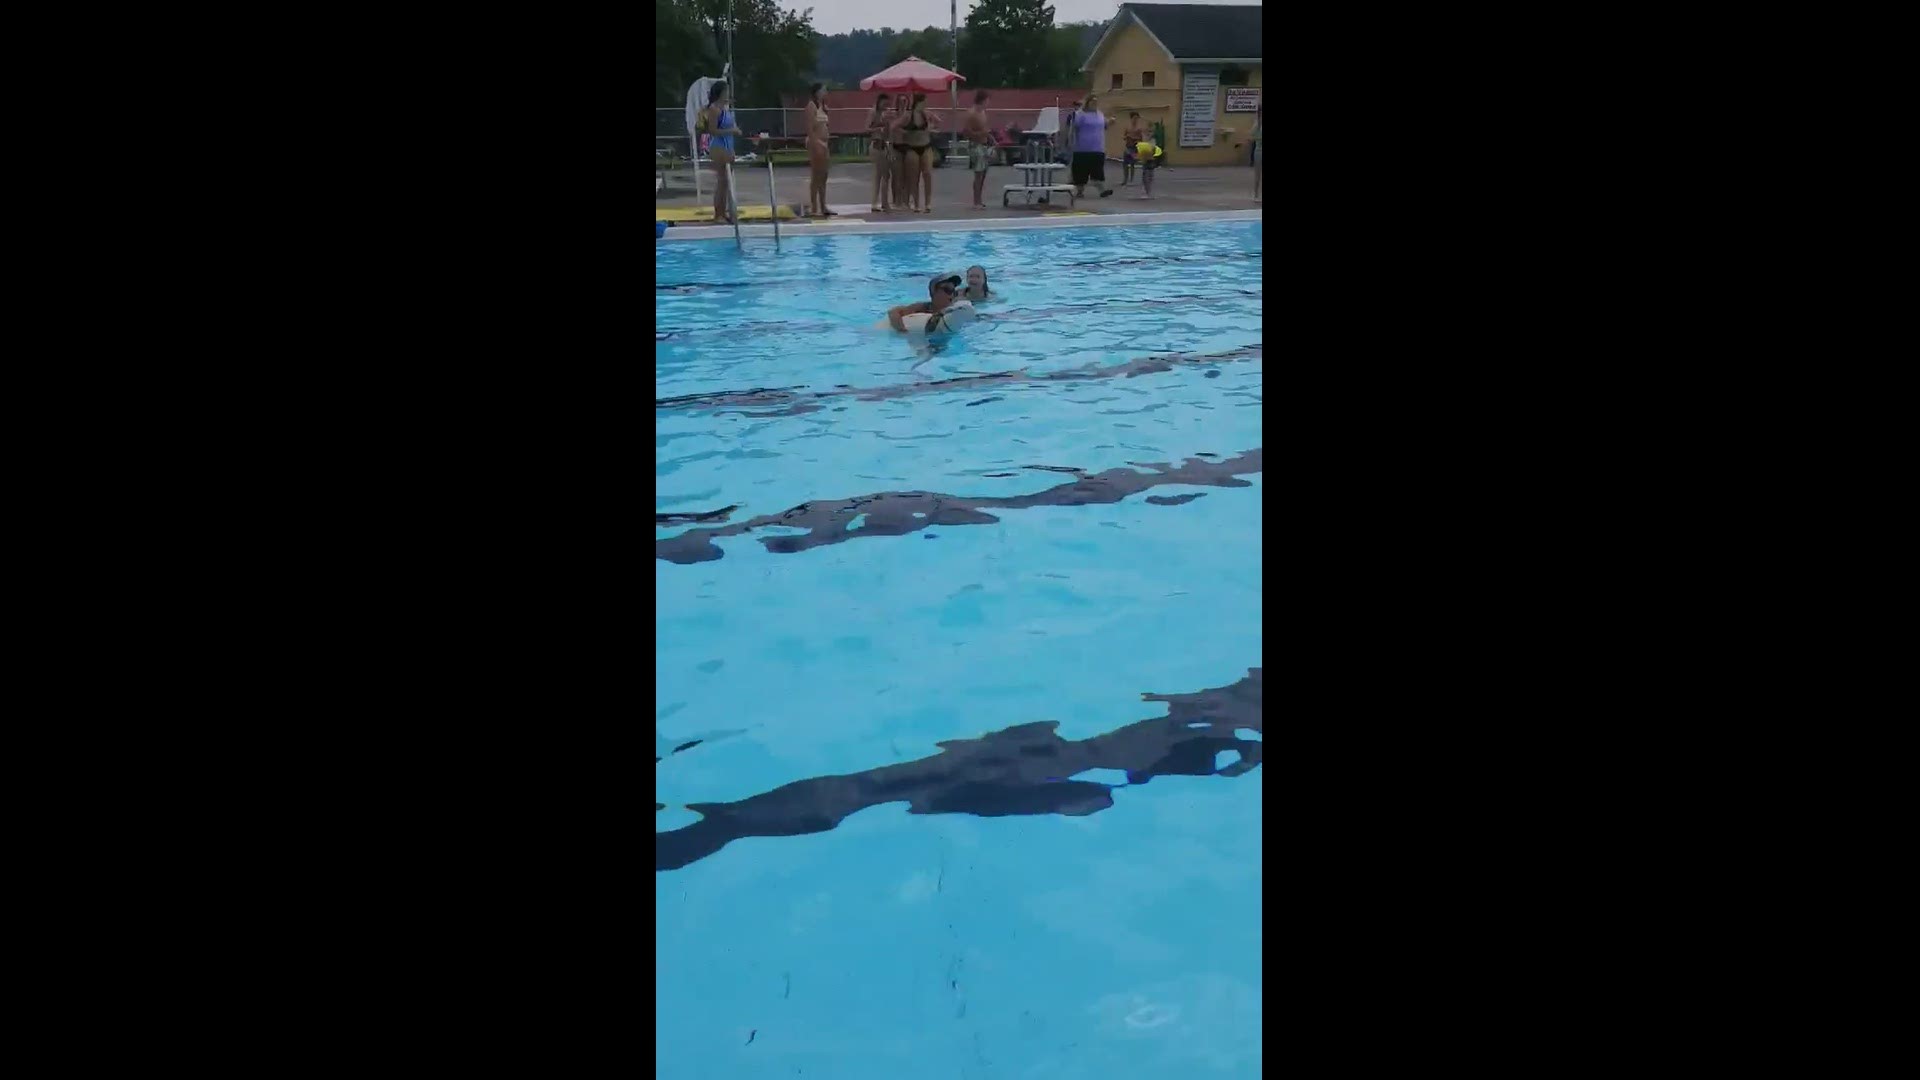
(1259, 136)
(1090, 147)
(881, 154)
(979, 144)
(1150, 154)
(919, 131)
(717, 123)
(817, 151)
(897, 139)
(1130, 138)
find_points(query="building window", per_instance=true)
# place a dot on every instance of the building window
(1116, 82)
(1146, 79)
(1233, 75)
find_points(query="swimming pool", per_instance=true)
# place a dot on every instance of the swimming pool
(868, 547)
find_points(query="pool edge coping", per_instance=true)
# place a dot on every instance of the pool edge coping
(689, 234)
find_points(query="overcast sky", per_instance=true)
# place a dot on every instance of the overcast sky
(840, 16)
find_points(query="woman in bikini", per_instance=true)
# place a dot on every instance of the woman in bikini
(882, 156)
(716, 120)
(919, 154)
(817, 151)
(897, 140)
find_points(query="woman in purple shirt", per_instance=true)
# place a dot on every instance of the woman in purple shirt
(1090, 147)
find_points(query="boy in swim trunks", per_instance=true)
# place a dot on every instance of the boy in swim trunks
(1128, 140)
(978, 141)
(940, 293)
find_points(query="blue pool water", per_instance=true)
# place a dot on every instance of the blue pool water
(876, 547)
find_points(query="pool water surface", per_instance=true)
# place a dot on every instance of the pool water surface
(959, 657)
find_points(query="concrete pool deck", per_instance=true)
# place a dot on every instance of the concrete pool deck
(850, 226)
(1189, 193)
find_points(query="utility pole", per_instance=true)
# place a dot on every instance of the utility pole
(953, 88)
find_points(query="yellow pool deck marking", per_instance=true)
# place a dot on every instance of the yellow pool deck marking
(691, 214)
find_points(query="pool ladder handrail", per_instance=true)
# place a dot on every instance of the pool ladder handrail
(733, 205)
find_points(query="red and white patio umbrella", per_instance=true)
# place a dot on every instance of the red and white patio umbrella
(912, 73)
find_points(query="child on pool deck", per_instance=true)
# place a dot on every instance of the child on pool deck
(1128, 140)
(1149, 156)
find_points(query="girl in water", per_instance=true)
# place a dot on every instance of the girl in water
(976, 285)
(716, 120)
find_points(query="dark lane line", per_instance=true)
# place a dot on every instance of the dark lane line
(988, 316)
(1021, 770)
(797, 401)
(897, 513)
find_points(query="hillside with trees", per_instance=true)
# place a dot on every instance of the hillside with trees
(774, 48)
(1003, 43)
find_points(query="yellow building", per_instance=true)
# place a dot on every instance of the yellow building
(1193, 68)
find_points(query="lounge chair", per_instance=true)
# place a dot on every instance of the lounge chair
(1038, 163)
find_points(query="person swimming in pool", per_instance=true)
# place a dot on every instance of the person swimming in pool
(941, 292)
(976, 287)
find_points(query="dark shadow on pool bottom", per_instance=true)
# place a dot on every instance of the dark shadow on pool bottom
(898, 513)
(798, 401)
(1024, 770)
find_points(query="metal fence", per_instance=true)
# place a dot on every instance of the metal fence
(784, 130)
(769, 130)
(791, 123)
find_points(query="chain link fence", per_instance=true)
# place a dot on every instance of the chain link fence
(841, 123)
(784, 130)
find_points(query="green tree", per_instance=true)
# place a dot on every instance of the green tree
(934, 45)
(773, 48)
(1072, 42)
(683, 51)
(845, 59)
(1011, 43)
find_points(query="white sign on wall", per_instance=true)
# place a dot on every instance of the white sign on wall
(1199, 94)
(1243, 99)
